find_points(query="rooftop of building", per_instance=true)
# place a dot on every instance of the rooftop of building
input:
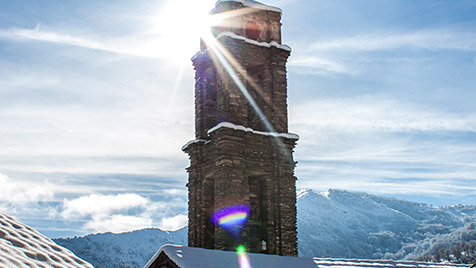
(188, 257)
(23, 246)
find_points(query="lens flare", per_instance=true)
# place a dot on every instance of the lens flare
(243, 258)
(232, 219)
(241, 249)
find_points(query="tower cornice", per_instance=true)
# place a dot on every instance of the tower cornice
(291, 136)
(253, 42)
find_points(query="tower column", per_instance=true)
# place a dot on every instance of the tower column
(242, 152)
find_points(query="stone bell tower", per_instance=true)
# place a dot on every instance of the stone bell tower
(242, 152)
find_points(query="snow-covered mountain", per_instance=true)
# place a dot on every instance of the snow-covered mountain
(132, 249)
(358, 225)
(332, 224)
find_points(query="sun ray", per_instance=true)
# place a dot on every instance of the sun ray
(225, 21)
(222, 57)
(174, 92)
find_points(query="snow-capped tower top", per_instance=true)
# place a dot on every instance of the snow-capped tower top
(253, 4)
(250, 19)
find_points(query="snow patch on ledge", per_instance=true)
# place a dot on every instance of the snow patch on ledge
(253, 4)
(247, 129)
(254, 42)
(193, 142)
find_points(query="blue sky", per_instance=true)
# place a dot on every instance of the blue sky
(96, 100)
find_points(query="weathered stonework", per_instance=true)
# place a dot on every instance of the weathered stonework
(243, 161)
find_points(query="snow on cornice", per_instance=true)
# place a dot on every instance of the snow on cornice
(254, 42)
(193, 142)
(247, 129)
(253, 4)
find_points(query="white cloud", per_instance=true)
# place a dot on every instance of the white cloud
(19, 192)
(319, 65)
(343, 55)
(111, 141)
(121, 213)
(36, 34)
(148, 46)
(102, 205)
(173, 223)
(175, 192)
(428, 39)
(381, 145)
(118, 223)
(377, 114)
(109, 213)
(177, 44)
(14, 80)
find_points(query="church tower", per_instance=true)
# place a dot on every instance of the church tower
(242, 152)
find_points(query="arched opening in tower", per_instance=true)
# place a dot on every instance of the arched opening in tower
(258, 214)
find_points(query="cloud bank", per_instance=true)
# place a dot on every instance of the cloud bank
(114, 213)
(375, 113)
(174, 223)
(120, 213)
(348, 55)
(23, 192)
(427, 39)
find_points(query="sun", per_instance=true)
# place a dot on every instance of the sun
(180, 25)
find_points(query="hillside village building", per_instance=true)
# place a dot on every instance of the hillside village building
(242, 152)
(184, 257)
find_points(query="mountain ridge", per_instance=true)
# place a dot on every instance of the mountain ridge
(336, 223)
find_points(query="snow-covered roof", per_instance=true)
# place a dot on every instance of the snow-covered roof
(360, 263)
(22, 246)
(253, 4)
(188, 257)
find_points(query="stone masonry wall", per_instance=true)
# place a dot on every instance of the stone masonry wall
(231, 166)
(219, 99)
(233, 157)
